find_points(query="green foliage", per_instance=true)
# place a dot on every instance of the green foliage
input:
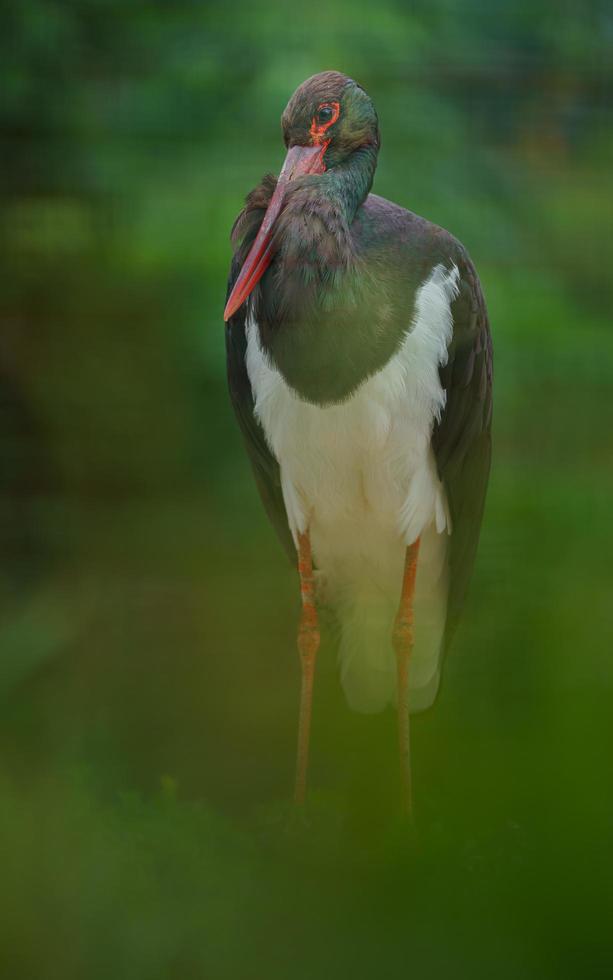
(148, 680)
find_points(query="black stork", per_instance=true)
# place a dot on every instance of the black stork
(360, 369)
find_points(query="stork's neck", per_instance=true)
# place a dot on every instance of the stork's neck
(313, 241)
(348, 183)
(317, 307)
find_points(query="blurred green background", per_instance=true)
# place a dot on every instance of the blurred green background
(148, 674)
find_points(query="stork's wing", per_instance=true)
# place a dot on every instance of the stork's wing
(462, 439)
(265, 466)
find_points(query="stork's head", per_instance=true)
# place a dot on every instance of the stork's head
(332, 112)
(328, 118)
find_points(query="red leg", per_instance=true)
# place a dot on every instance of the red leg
(403, 645)
(308, 644)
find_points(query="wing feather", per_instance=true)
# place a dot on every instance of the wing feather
(462, 438)
(265, 467)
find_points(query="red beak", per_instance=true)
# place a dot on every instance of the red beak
(299, 160)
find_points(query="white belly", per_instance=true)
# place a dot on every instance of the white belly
(362, 478)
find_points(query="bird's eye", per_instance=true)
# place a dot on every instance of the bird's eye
(326, 115)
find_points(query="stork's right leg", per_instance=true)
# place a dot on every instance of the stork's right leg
(308, 644)
(403, 645)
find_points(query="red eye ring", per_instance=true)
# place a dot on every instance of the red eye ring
(319, 127)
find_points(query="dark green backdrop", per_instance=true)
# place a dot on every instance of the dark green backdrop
(148, 674)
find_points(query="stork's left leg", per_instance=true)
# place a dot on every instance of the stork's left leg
(308, 645)
(403, 645)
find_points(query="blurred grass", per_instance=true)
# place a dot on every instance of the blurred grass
(148, 679)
